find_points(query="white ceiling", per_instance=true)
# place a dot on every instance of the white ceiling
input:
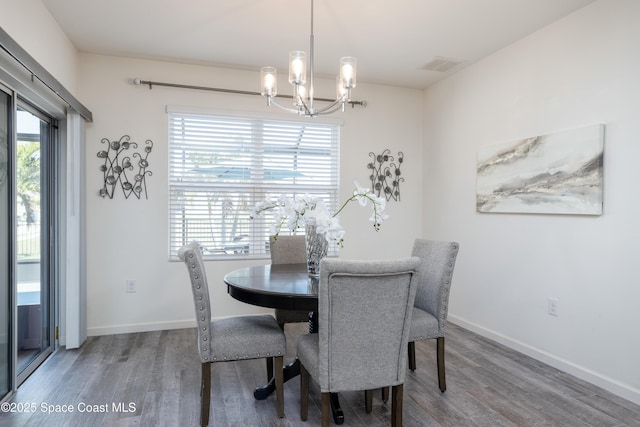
(393, 40)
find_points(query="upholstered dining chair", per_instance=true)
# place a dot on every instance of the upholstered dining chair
(288, 250)
(438, 258)
(364, 318)
(230, 339)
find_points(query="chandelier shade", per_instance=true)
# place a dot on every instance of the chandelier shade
(303, 100)
(269, 81)
(297, 67)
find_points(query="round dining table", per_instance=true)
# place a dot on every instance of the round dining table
(282, 286)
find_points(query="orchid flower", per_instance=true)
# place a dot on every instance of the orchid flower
(293, 212)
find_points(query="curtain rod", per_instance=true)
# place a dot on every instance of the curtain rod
(38, 71)
(138, 82)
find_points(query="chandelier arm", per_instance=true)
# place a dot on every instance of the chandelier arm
(291, 97)
(307, 112)
(333, 106)
(273, 101)
(330, 108)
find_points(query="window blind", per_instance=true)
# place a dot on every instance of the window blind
(221, 166)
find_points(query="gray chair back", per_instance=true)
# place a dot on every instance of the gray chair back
(191, 255)
(364, 321)
(434, 277)
(287, 250)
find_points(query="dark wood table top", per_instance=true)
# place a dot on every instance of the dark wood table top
(283, 286)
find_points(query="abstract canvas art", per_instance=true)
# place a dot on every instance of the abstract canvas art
(559, 173)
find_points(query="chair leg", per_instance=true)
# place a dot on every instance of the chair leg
(442, 383)
(396, 405)
(412, 355)
(325, 408)
(385, 394)
(279, 374)
(269, 368)
(205, 393)
(304, 392)
(368, 400)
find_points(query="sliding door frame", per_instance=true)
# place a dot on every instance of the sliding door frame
(10, 245)
(52, 247)
(48, 242)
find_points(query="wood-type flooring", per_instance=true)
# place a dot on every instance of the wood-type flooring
(152, 379)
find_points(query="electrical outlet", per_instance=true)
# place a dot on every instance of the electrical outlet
(553, 306)
(131, 286)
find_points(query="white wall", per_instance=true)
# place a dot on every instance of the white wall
(579, 71)
(127, 238)
(29, 23)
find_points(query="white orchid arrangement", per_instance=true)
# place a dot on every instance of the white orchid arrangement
(293, 213)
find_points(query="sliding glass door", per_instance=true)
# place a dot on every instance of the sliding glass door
(27, 196)
(33, 241)
(5, 247)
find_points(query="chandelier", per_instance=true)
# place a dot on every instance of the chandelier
(302, 97)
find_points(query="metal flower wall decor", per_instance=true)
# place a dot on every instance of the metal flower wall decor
(385, 174)
(119, 168)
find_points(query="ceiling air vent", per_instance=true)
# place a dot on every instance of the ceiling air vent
(442, 64)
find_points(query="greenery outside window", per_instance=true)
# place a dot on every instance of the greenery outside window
(221, 166)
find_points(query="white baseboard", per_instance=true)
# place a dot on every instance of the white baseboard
(144, 327)
(609, 384)
(140, 327)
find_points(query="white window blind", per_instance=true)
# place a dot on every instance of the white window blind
(220, 167)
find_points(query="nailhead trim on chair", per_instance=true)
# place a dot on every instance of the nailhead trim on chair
(246, 356)
(203, 330)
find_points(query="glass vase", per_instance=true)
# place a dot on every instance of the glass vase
(317, 246)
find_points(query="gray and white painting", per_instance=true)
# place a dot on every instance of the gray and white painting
(560, 173)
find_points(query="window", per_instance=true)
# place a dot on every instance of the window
(221, 166)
